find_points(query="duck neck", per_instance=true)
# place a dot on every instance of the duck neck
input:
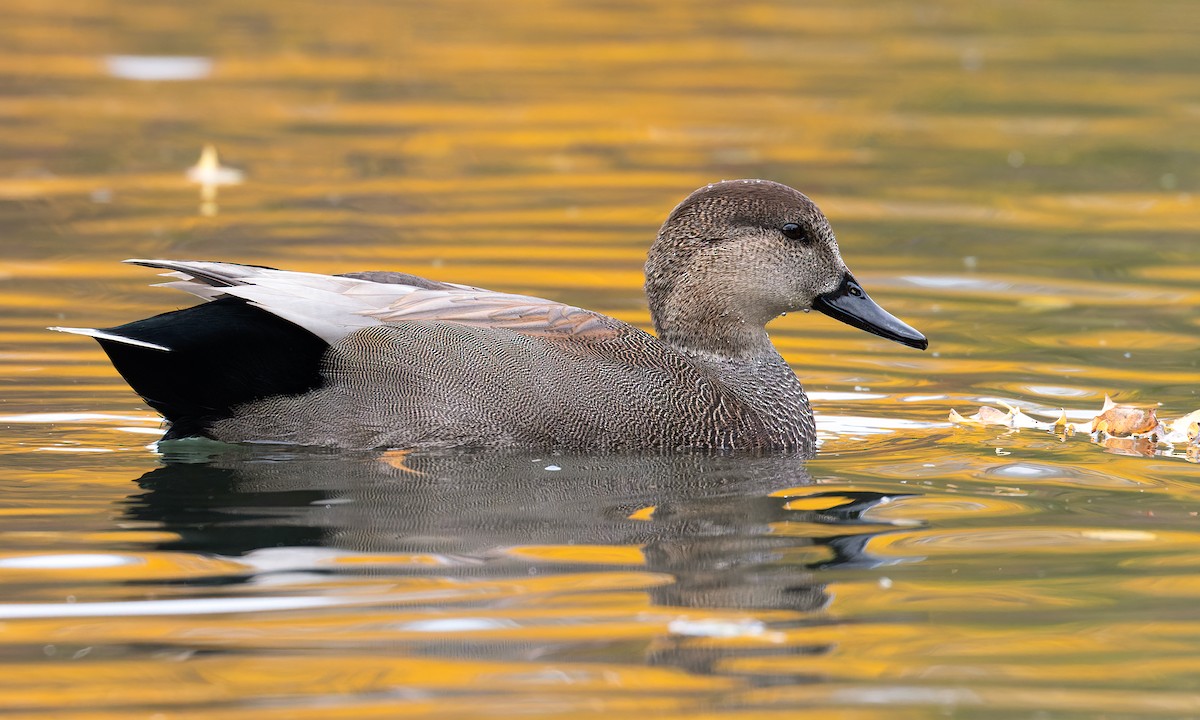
(702, 325)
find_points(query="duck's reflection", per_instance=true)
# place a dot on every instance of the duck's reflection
(712, 522)
(718, 525)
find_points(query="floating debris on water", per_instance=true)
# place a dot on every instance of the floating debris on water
(1121, 427)
(209, 174)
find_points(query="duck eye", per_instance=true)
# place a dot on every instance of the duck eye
(793, 231)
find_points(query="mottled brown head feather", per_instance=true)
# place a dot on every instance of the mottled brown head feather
(722, 266)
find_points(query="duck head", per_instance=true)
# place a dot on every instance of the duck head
(736, 254)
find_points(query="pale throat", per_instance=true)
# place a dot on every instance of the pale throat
(707, 322)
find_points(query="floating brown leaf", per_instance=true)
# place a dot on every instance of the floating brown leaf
(985, 416)
(1124, 420)
(1011, 417)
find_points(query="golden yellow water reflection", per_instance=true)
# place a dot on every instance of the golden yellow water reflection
(1019, 181)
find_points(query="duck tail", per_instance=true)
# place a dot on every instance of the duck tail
(194, 366)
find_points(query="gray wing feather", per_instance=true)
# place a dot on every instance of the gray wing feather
(332, 306)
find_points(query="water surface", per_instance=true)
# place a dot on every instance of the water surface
(1015, 180)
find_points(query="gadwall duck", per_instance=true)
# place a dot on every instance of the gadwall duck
(385, 359)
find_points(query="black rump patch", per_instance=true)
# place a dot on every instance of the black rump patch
(223, 354)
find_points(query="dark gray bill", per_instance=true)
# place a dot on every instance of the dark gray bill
(851, 304)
